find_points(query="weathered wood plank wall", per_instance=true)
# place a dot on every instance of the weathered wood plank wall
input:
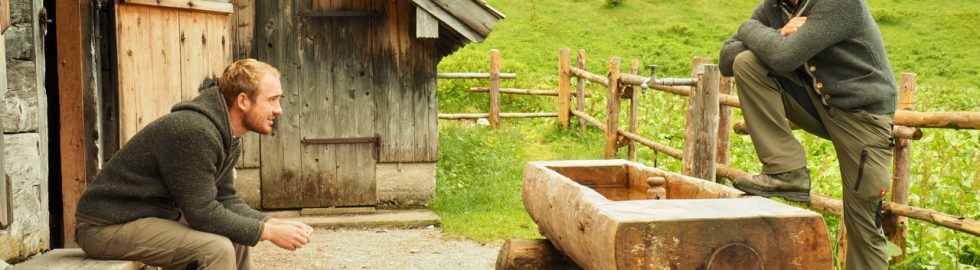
(364, 76)
(163, 56)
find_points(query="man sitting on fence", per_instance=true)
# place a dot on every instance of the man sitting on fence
(167, 198)
(822, 65)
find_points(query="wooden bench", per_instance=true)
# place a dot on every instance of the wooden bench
(74, 258)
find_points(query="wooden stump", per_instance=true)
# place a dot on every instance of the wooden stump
(532, 254)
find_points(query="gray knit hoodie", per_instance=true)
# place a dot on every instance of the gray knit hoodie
(179, 163)
(839, 47)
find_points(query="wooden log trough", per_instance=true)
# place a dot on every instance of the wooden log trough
(598, 213)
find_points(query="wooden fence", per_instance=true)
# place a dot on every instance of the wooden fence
(495, 91)
(709, 107)
(708, 127)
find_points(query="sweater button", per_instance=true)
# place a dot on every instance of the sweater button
(819, 86)
(813, 68)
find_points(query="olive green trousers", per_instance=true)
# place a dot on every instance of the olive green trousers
(863, 143)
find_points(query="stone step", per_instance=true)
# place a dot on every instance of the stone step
(74, 259)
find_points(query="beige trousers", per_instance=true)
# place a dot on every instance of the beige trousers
(163, 243)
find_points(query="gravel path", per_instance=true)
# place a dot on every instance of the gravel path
(378, 249)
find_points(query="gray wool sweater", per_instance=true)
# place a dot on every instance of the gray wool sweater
(839, 46)
(179, 163)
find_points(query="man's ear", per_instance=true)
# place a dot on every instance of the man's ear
(242, 102)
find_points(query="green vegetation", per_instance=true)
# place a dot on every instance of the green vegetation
(479, 172)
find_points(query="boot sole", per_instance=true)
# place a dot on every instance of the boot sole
(789, 195)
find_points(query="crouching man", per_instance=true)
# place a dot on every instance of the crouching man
(822, 65)
(167, 198)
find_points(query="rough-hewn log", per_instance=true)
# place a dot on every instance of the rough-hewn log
(564, 83)
(532, 254)
(580, 93)
(956, 120)
(612, 109)
(724, 121)
(900, 132)
(724, 99)
(702, 130)
(531, 92)
(958, 223)
(691, 117)
(611, 224)
(461, 116)
(581, 73)
(634, 111)
(895, 226)
(494, 88)
(472, 75)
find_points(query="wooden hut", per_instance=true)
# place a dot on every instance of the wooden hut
(360, 106)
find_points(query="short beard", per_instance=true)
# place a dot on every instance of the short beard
(253, 123)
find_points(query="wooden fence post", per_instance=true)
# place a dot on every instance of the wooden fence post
(724, 123)
(687, 161)
(703, 126)
(494, 88)
(842, 244)
(612, 109)
(903, 161)
(634, 109)
(580, 90)
(564, 83)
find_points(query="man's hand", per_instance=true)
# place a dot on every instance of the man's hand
(293, 223)
(792, 26)
(286, 234)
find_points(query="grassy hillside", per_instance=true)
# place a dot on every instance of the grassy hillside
(479, 173)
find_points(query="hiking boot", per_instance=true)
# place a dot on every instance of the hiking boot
(792, 185)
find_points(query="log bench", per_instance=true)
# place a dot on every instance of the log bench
(74, 259)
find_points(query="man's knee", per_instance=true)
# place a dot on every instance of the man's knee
(746, 61)
(217, 251)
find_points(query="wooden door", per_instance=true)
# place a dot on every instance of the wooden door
(165, 51)
(324, 148)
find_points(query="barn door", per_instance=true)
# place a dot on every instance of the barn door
(328, 138)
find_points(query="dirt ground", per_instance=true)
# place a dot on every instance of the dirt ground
(378, 249)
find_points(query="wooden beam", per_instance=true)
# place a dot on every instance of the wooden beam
(194, 5)
(724, 121)
(900, 132)
(580, 93)
(461, 116)
(954, 120)
(426, 25)
(77, 162)
(494, 88)
(338, 13)
(532, 254)
(895, 226)
(564, 83)
(4, 15)
(530, 92)
(473, 75)
(634, 111)
(691, 118)
(592, 77)
(450, 20)
(702, 129)
(612, 109)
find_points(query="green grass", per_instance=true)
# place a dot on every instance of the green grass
(479, 172)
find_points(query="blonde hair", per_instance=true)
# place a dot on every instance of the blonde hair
(244, 76)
